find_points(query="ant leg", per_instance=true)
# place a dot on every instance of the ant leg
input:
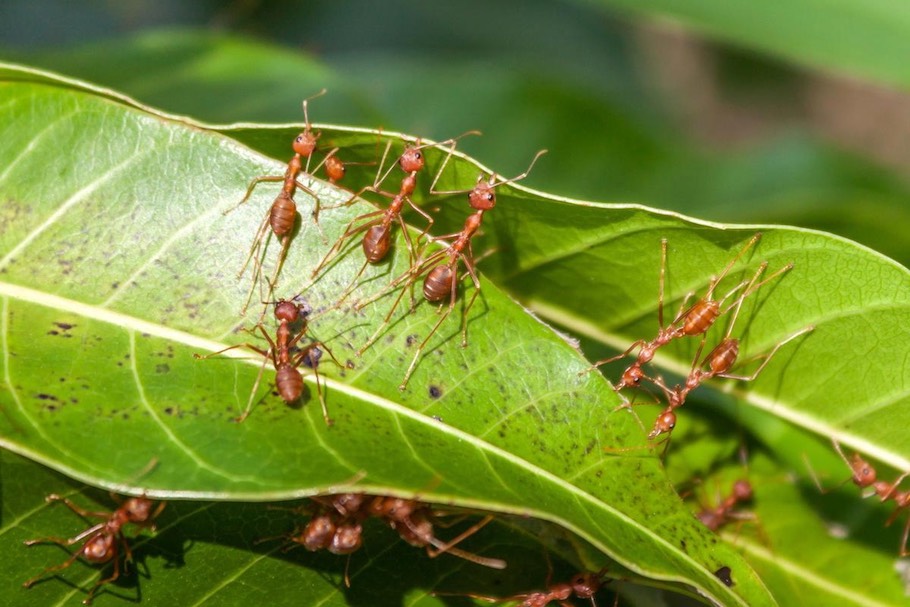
(32, 581)
(350, 230)
(604, 361)
(446, 546)
(766, 358)
(319, 391)
(113, 577)
(53, 497)
(257, 249)
(442, 317)
(249, 191)
(249, 403)
(315, 212)
(469, 264)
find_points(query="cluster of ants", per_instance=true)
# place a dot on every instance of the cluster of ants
(335, 522)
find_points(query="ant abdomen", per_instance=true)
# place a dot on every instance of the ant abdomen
(438, 283)
(288, 382)
(283, 215)
(376, 243)
(701, 317)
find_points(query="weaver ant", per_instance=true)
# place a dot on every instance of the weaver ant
(282, 354)
(441, 267)
(715, 517)
(582, 586)
(865, 476)
(336, 526)
(377, 225)
(282, 215)
(691, 321)
(719, 363)
(104, 542)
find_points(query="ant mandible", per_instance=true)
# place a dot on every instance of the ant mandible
(104, 542)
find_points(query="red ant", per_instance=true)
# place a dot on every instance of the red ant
(288, 379)
(282, 215)
(864, 476)
(582, 586)
(101, 543)
(715, 517)
(691, 321)
(719, 363)
(441, 267)
(336, 526)
(378, 225)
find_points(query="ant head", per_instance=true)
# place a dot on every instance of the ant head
(665, 422)
(585, 585)
(483, 196)
(287, 311)
(347, 539)
(631, 377)
(138, 509)
(412, 159)
(305, 143)
(335, 168)
(863, 473)
(742, 490)
(349, 503)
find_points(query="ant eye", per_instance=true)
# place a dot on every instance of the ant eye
(491, 197)
(298, 139)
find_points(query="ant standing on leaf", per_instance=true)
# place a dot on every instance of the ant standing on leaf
(104, 542)
(282, 215)
(691, 321)
(285, 357)
(440, 269)
(377, 225)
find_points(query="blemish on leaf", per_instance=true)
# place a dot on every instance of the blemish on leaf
(162, 368)
(435, 391)
(724, 575)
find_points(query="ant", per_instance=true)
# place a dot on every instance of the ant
(377, 225)
(441, 267)
(691, 321)
(719, 363)
(865, 476)
(101, 543)
(715, 517)
(288, 379)
(282, 215)
(582, 586)
(336, 526)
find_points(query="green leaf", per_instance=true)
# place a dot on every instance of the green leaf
(117, 265)
(867, 39)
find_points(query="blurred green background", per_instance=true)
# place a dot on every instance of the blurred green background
(631, 109)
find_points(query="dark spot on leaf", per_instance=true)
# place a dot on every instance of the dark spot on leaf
(411, 340)
(52, 332)
(43, 396)
(682, 544)
(435, 392)
(162, 368)
(724, 575)
(437, 418)
(64, 325)
(115, 285)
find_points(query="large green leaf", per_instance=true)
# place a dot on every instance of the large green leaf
(117, 266)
